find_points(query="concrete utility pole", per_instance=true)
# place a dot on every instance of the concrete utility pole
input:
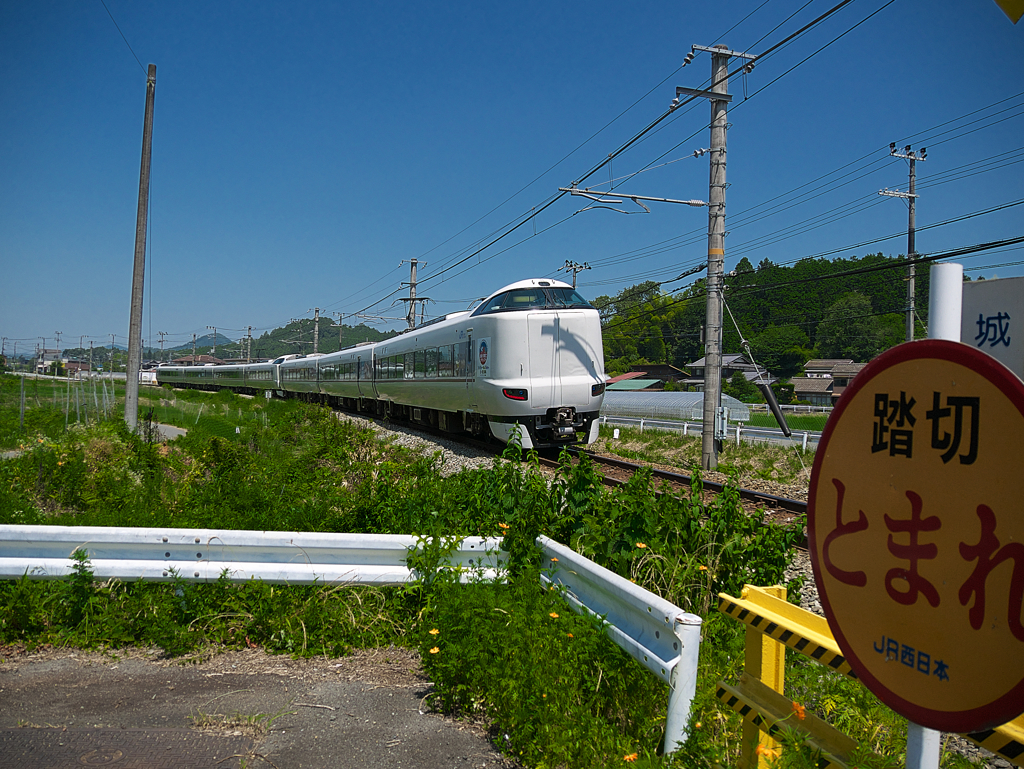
(410, 315)
(316, 329)
(90, 358)
(57, 336)
(213, 350)
(131, 397)
(911, 198)
(248, 345)
(716, 262)
(162, 335)
(574, 267)
(719, 96)
(193, 349)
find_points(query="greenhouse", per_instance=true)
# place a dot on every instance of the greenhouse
(683, 406)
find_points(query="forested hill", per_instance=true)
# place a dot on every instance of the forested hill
(815, 308)
(297, 337)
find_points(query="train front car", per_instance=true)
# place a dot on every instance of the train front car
(538, 363)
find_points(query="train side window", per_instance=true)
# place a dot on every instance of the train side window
(420, 364)
(431, 364)
(444, 361)
(407, 366)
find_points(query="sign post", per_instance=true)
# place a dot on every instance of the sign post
(916, 532)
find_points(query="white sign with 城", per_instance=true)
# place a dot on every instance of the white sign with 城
(993, 320)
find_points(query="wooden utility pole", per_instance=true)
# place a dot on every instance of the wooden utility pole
(131, 398)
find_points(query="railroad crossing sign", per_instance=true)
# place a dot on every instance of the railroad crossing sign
(916, 532)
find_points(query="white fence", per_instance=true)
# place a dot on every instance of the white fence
(661, 636)
(737, 431)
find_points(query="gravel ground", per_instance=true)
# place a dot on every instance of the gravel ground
(453, 456)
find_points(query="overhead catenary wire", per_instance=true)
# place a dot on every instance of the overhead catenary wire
(122, 35)
(512, 227)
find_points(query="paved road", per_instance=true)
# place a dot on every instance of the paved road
(243, 706)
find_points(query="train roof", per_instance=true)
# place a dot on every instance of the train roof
(530, 283)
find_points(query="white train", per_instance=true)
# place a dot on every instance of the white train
(530, 355)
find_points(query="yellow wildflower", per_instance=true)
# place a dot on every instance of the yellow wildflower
(569, 634)
(630, 758)
(554, 560)
(800, 710)
(641, 545)
(553, 615)
(435, 631)
(435, 650)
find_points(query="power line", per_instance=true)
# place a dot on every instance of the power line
(122, 36)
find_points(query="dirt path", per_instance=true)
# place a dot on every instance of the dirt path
(248, 707)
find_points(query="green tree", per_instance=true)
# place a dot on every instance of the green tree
(783, 350)
(742, 389)
(850, 329)
(652, 346)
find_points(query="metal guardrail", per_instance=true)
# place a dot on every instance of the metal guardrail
(162, 555)
(658, 634)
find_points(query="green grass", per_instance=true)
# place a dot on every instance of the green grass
(796, 422)
(555, 685)
(745, 462)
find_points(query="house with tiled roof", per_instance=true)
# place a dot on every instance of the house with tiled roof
(822, 367)
(814, 390)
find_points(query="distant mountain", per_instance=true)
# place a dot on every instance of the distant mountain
(203, 341)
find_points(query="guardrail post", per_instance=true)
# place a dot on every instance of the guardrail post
(641, 426)
(737, 433)
(805, 440)
(765, 660)
(686, 428)
(684, 681)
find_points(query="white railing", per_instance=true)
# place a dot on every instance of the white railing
(658, 634)
(203, 555)
(736, 430)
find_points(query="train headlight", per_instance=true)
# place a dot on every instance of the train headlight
(515, 393)
(597, 389)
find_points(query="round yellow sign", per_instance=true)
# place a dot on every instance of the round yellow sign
(916, 531)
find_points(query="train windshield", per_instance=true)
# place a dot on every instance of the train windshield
(534, 299)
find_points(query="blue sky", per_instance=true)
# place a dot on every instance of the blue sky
(302, 151)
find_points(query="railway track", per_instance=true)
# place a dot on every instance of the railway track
(617, 472)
